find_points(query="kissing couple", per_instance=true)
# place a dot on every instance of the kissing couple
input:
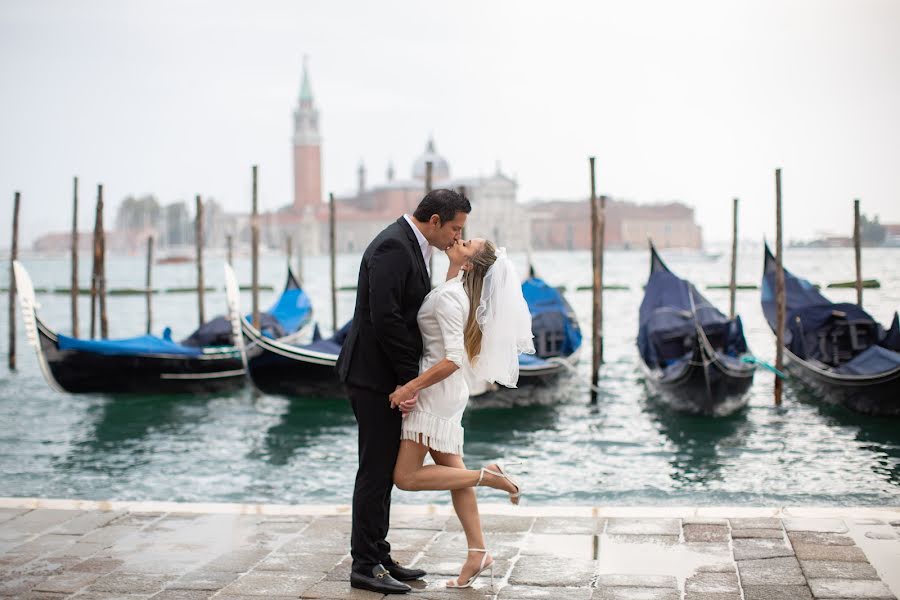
(405, 365)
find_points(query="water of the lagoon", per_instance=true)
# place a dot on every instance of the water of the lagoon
(628, 449)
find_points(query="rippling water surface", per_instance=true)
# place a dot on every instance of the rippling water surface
(626, 449)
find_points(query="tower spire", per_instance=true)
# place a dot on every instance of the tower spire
(307, 147)
(306, 95)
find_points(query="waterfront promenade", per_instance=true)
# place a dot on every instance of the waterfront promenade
(169, 551)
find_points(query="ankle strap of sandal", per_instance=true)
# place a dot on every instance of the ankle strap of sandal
(477, 550)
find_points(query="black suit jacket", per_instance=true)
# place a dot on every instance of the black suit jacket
(383, 347)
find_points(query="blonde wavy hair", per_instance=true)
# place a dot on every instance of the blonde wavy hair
(473, 281)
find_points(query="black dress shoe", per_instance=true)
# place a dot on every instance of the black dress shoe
(403, 573)
(380, 581)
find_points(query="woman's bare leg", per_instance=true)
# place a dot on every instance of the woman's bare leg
(465, 503)
(411, 475)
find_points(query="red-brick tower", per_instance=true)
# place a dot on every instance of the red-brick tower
(307, 149)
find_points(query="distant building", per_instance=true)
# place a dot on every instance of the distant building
(892, 234)
(361, 214)
(565, 224)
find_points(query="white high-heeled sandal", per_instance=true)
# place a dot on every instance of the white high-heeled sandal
(481, 569)
(513, 496)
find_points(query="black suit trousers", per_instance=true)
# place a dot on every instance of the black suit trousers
(379, 443)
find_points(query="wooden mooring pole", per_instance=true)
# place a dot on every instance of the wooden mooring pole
(601, 252)
(13, 255)
(254, 252)
(73, 286)
(229, 244)
(148, 283)
(332, 251)
(95, 256)
(98, 272)
(857, 248)
(596, 287)
(732, 286)
(198, 241)
(779, 292)
(101, 279)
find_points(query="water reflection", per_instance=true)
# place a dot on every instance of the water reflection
(301, 424)
(120, 425)
(697, 441)
(877, 435)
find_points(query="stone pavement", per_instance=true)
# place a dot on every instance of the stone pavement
(167, 551)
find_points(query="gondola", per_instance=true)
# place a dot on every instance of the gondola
(835, 348)
(276, 367)
(692, 354)
(205, 362)
(557, 342)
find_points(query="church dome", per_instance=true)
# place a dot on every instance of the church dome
(439, 167)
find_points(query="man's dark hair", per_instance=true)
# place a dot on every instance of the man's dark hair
(443, 203)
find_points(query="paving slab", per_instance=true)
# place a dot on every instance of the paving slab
(771, 571)
(648, 581)
(820, 539)
(755, 523)
(712, 596)
(775, 534)
(569, 525)
(552, 571)
(522, 592)
(126, 583)
(832, 569)
(69, 582)
(635, 593)
(272, 584)
(620, 526)
(748, 549)
(713, 583)
(10, 513)
(337, 590)
(550, 544)
(777, 592)
(181, 595)
(88, 521)
(841, 553)
(818, 525)
(498, 524)
(847, 588)
(705, 533)
(203, 580)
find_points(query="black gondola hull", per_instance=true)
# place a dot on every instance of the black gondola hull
(877, 396)
(707, 389)
(285, 370)
(87, 372)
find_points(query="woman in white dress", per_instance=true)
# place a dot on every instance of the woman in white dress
(477, 321)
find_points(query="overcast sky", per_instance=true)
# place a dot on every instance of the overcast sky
(691, 101)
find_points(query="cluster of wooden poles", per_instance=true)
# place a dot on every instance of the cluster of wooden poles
(598, 222)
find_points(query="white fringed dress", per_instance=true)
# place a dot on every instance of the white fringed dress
(436, 420)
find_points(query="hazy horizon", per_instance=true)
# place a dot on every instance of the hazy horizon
(697, 102)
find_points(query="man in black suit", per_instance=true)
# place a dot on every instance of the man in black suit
(381, 353)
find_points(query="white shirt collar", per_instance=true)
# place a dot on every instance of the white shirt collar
(423, 243)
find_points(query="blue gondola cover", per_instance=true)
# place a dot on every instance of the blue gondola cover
(840, 335)
(140, 345)
(667, 329)
(553, 322)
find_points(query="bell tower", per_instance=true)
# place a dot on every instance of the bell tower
(307, 148)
